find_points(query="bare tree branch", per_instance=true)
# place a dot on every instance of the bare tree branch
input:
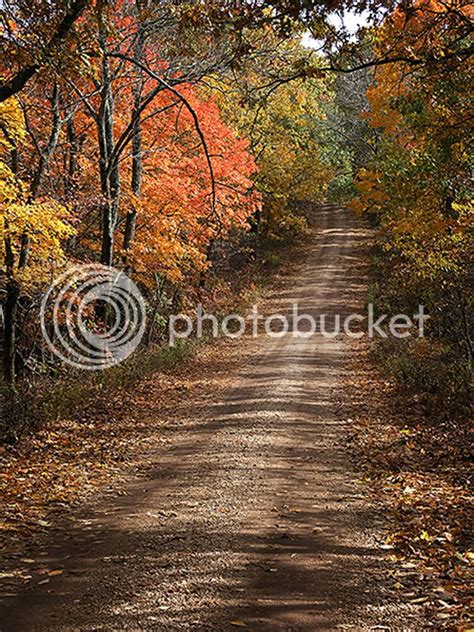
(18, 81)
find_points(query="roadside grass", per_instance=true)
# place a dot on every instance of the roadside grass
(44, 399)
(429, 370)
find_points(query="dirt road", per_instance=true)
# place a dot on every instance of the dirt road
(252, 517)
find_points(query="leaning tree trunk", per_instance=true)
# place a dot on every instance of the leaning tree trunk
(44, 159)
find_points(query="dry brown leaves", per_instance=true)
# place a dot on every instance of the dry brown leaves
(418, 469)
(59, 467)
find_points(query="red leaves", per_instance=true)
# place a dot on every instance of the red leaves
(178, 215)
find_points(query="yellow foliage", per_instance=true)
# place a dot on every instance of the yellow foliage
(12, 124)
(43, 224)
(279, 126)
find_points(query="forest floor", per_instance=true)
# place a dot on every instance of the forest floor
(240, 506)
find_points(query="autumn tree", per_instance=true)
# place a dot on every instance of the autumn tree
(280, 118)
(417, 186)
(32, 230)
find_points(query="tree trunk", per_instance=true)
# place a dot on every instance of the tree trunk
(109, 169)
(44, 158)
(70, 186)
(9, 327)
(110, 176)
(10, 308)
(137, 158)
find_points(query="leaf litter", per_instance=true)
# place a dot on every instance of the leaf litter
(418, 470)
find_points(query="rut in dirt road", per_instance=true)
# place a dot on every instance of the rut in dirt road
(252, 518)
